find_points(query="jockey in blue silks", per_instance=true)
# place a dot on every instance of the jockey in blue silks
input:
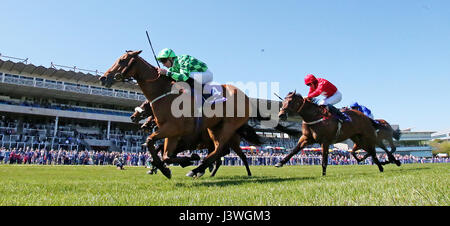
(363, 109)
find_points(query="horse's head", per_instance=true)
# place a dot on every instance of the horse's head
(138, 115)
(141, 112)
(291, 104)
(121, 70)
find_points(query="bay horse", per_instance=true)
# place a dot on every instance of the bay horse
(222, 129)
(385, 132)
(326, 131)
(199, 140)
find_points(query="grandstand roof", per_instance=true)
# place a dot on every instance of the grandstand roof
(59, 74)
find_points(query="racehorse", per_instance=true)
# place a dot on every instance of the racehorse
(387, 133)
(222, 129)
(319, 129)
(199, 140)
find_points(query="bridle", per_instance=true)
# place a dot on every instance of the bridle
(127, 66)
(300, 108)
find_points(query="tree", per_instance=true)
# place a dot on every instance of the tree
(440, 146)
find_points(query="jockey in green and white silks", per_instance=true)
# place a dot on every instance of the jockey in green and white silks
(183, 67)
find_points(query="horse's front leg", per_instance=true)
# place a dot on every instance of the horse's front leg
(154, 168)
(325, 147)
(302, 143)
(154, 153)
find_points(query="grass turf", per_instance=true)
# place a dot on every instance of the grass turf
(411, 184)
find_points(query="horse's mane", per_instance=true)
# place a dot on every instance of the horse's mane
(148, 64)
(313, 100)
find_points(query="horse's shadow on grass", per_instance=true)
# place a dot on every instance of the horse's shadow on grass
(239, 180)
(411, 169)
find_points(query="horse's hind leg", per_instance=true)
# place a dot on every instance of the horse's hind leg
(382, 146)
(373, 153)
(220, 138)
(391, 153)
(237, 148)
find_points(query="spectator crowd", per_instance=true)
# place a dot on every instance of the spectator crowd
(65, 157)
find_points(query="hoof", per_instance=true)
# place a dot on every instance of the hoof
(398, 163)
(167, 172)
(279, 165)
(190, 174)
(150, 172)
(200, 174)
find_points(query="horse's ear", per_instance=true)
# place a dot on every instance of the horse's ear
(295, 92)
(135, 53)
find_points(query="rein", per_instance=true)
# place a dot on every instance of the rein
(160, 97)
(308, 123)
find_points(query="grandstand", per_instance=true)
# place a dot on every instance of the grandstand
(444, 136)
(50, 108)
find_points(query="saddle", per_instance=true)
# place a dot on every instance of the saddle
(213, 95)
(329, 111)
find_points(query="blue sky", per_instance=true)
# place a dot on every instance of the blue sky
(392, 56)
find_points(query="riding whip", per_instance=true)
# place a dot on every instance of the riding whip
(278, 96)
(151, 46)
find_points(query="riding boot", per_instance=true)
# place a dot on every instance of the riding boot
(341, 116)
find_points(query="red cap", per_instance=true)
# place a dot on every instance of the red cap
(310, 79)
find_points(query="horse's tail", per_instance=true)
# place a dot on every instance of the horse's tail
(396, 134)
(249, 134)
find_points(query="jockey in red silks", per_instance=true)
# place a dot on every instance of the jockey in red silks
(320, 86)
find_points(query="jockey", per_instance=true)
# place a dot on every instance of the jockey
(185, 68)
(361, 108)
(320, 86)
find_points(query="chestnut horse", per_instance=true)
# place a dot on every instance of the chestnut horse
(327, 131)
(200, 140)
(222, 127)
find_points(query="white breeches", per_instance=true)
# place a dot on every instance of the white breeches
(202, 77)
(336, 98)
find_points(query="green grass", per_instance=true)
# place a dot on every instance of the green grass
(412, 184)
